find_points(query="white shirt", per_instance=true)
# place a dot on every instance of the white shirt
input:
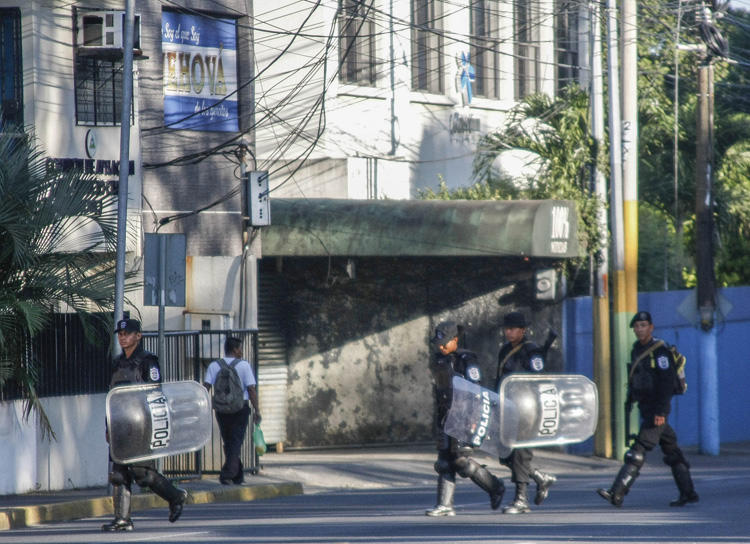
(244, 371)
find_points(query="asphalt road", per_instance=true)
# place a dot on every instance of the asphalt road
(391, 510)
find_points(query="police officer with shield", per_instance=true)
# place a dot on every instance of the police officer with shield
(454, 457)
(137, 366)
(518, 354)
(652, 380)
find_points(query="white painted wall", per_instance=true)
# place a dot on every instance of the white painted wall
(77, 458)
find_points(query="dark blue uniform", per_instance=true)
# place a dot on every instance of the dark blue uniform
(454, 457)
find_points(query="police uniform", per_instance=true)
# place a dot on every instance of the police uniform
(652, 381)
(526, 357)
(141, 367)
(454, 457)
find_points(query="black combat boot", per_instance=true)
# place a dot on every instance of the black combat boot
(175, 496)
(491, 484)
(520, 504)
(681, 474)
(444, 506)
(543, 482)
(121, 508)
(622, 484)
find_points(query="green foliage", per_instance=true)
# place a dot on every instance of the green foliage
(57, 232)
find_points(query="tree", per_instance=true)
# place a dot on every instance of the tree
(57, 233)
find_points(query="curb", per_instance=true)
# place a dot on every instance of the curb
(26, 516)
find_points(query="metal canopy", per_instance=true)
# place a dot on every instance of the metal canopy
(421, 228)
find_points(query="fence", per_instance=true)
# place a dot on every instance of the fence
(69, 361)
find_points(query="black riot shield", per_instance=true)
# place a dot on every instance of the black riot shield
(155, 420)
(529, 410)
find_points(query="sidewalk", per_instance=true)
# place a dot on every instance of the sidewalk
(320, 470)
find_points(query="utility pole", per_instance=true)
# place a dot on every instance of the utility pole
(602, 352)
(630, 164)
(122, 190)
(706, 288)
(620, 317)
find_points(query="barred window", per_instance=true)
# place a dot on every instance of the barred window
(357, 42)
(11, 83)
(566, 43)
(98, 91)
(527, 49)
(485, 47)
(427, 46)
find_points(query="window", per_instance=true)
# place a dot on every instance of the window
(527, 49)
(98, 90)
(566, 42)
(356, 42)
(11, 87)
(485, 47)
(427, 46)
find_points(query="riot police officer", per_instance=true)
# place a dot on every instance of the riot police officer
(454, 457)
(518, 354)
(652, 380)
(136, 365)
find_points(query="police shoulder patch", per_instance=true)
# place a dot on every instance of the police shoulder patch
(537, 363)
(153, 373)
(663, 362)
(473, 373)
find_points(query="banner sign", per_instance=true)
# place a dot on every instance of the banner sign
(200, 72)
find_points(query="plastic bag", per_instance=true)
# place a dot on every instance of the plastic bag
(258, 440)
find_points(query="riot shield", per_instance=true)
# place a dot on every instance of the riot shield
(529, 410)
(474, 417)
(155, 420)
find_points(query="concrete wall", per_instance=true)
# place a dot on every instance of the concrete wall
(358, 347)
(77, 458)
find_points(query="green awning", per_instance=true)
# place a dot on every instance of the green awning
(412, 228)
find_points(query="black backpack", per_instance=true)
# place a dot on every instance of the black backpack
(229, 395)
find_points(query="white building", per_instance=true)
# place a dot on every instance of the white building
(401, 88)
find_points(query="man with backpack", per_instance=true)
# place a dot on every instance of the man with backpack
(233, 383)
(655, 374)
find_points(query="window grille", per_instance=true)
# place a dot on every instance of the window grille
(566, 42)
(527, 49)
(98, 83)
(11, 83)
(485, 47)
(427, 46)
(357, 60)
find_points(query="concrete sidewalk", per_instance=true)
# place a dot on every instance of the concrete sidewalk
(325, 470)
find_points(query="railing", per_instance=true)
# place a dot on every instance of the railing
(67, 362)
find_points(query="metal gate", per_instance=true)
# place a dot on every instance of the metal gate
(187, 355)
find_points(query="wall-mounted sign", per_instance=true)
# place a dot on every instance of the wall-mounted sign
(200, 72)
(90, 143)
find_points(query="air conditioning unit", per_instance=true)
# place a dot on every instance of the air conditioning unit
(105, 29)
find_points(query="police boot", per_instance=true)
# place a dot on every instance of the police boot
(173, 495)
(625, 478)
(681, 474)
(543, 482)
(121, 507)
(444, 505)
(520, 504)
(491, 484)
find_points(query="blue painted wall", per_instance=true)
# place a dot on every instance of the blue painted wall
(733, 341)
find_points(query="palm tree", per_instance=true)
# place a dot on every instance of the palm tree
(57, 240)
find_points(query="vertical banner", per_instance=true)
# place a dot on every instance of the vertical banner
(200, 72)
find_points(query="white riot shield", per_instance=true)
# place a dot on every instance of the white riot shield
(529, 410)
(155, 420)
